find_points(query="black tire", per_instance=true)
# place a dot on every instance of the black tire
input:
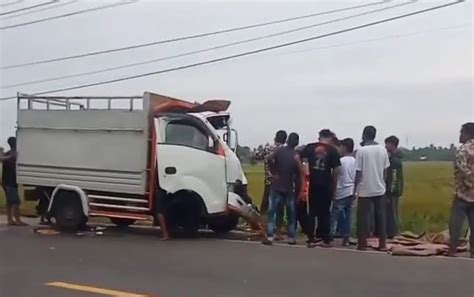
(224, 224)
(68, 211)
(122, 223)
(184, 215)
(190, 217)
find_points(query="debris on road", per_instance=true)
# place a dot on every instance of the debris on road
(425, 244)
(46, 231)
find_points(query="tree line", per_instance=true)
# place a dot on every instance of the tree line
(246, 154)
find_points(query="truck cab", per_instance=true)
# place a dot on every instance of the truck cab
(221, 122)
(239, 202)
(119, 159)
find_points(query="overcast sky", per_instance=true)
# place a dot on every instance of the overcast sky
(415, 80)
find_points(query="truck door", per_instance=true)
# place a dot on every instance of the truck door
(190, 157)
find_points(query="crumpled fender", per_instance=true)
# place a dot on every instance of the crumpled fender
(236, 204)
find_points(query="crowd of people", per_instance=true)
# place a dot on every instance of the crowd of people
(318, 184)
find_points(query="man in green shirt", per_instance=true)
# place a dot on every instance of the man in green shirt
(394, 186)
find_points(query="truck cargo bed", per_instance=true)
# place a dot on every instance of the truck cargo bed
(100, 150)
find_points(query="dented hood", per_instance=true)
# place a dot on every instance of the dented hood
(160, 103)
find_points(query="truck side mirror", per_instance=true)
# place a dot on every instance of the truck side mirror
(233, 139)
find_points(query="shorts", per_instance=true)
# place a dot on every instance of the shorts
(160, 205)
(11, 195)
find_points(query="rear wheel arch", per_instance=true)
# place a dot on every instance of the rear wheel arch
(67, 209)
(80, 194)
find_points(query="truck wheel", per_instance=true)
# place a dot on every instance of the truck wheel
(184, 215)
(68, 211)
(190, 225)
(224, 224)
(122, 223)
(190, 218)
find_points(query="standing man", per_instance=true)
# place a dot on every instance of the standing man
(280, 139)
(285, 165)
(371, 164)
(324, 163)
(463, 204)
(9, 185)
(341, 213)
(335, 141)
(394, 186)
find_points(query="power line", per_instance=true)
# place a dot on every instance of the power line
(389, 37)
(38, 10)
(69, 14)
(192, 36)
(249, 52)
(210, 48)
(12, 3)
(395, 36)
(29, 7)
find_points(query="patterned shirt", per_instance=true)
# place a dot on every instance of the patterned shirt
(464, 172)
(267, 151)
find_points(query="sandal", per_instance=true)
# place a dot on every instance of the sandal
(326, 245)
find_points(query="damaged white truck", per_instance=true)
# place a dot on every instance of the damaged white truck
(115, 156)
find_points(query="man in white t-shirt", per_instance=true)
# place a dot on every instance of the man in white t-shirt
(342, 205)
(371, 164)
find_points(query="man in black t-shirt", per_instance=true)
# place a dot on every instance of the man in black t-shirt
(323, 161)
(9, 184)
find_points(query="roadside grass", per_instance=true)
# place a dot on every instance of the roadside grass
(425, 204)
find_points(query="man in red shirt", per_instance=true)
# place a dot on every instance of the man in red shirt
(324, 163)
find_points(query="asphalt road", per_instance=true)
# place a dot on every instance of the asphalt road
(139, 263)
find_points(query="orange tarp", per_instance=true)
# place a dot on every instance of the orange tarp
(159, 103)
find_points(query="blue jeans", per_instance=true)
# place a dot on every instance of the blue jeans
(341, 216)
(459, 211)
(275, 199)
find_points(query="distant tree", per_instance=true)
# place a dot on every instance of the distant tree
(431, 153)
(244, 153)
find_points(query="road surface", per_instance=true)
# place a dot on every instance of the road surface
(137, 263)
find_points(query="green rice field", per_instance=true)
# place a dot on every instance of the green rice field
(425, 204)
